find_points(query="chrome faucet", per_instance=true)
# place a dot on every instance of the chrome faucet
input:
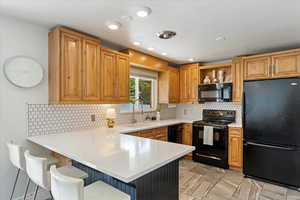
(141, 101)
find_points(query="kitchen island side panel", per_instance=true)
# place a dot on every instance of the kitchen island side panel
(160, 184)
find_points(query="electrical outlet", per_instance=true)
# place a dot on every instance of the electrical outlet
(93, 118)
(185, 111)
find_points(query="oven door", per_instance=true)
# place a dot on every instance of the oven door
(217, 154)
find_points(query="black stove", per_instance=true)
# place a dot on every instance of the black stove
(215, 153)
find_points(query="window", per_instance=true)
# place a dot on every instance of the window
(142, 88)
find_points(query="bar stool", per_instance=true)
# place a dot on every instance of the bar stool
(16, 157)
(68, 188)
(38, 171)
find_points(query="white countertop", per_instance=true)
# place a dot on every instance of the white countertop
(128, 128)
(121, 156)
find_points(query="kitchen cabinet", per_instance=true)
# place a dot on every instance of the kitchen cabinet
(235, 149)
(237, 80)
(142, 60)
(257, 68)
(273, 65)
(286, 65)
(74, 67)
(114, 77)
(80, 72)
(168, 86)
(156, 134)
(189, 81)
(91, 71)
(187, 135)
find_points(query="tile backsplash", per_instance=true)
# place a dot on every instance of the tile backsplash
(45, 119)
(194, 111)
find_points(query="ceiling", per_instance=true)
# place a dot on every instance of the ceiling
(249, 26)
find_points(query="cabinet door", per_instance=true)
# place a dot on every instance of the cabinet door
(108, 72)
(187, 135)
(184, 84)
(194, 82)
(71, 62)
(286, 65)
(237, 81)
(236, 148)
(174, 88)
(122, 79)
(257, 68)
(91, 70)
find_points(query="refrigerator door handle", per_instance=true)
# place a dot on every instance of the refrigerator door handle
(270, 146)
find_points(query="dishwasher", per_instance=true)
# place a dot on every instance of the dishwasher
(175, 134)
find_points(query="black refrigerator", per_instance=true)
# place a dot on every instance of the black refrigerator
(272, 130)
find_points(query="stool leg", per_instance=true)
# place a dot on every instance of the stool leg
(35, 192)
(15, 183)
(27, 186)
(51, 195)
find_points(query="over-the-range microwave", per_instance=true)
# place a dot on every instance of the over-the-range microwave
(221, 92)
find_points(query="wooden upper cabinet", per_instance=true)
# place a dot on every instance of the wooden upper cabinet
(168, 86)
(114, 77)
(91, 70)
(257, 68)
(272, 65)
(174, 86)
(285, 65)
(184, 84)
(71, 67)
(194, 74)
(122, 78)
(108, 79)
(235, 149)
(237, 80)
(189, 81)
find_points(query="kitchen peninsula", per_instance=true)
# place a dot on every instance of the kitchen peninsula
(143, 168)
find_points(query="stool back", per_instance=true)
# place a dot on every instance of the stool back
(37, 170)
(65, 187)
(16, 155)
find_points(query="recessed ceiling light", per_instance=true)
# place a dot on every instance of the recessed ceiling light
(166, 34)
(113, 25)
(192, 59)
(150, 48)
(137, 43)
(144, 12)
(164, 54)
(220, 38)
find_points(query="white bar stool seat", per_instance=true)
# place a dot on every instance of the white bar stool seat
(103, 191)
(68, 188)
(72, 172)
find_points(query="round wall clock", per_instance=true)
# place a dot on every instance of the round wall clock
(24, 72)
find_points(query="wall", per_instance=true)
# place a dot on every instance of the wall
(18, 38)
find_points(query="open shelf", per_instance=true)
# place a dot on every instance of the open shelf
(208, 71)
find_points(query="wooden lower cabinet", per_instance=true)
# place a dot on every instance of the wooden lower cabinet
(235, 150)
(156, 134)
(187, 135)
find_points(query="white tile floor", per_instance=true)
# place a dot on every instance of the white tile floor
(202, 182)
